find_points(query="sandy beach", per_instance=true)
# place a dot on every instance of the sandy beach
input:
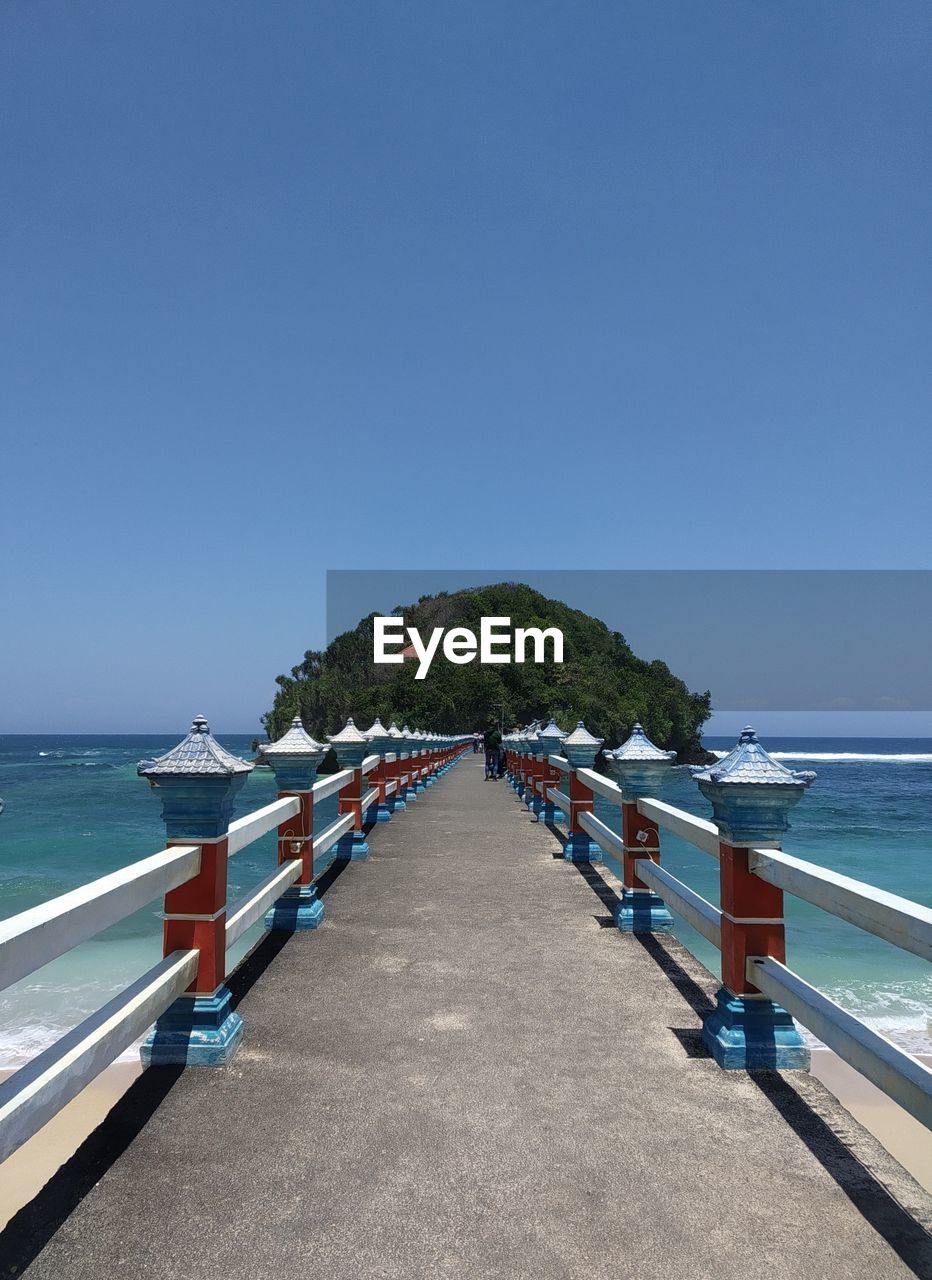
(906, 1139)
(28, 1169)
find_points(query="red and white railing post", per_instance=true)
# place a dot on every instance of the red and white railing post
(751, 795)
(639, 768)
(351, 747)
(197, 782)
(580, 749)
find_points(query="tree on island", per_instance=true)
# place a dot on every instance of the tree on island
(600, 680)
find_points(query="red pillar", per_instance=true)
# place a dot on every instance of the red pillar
(296, 835)
(642, 840)
(196, 916)
(752, 918)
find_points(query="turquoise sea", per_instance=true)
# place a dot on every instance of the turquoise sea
(74, 809)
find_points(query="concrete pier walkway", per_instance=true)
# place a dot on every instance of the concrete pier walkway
(466, 1072)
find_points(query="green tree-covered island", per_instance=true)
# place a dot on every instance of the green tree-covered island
(600, 681)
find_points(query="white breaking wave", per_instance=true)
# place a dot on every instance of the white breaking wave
(872, 757)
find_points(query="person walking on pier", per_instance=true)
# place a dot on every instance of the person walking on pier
(493, 746)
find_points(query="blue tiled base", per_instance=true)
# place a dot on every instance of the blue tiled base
(352, 847)
(753, 1035)
(383, 813)
(519, 788)
(198, 1031)
(579, 848)
(550, 814)
(298, 908)
(641, 911)
(398, 805)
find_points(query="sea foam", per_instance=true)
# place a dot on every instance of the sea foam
(870, 757)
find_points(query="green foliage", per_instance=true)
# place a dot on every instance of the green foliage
(600, 681)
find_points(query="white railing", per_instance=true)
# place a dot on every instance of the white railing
(34, 937)
(897, 920)
(30, 1098)
(253, 907)
(29, 940)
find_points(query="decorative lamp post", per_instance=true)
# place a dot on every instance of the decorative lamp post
(397, 747)
(197, 782)
(532, 798)
(425, 744)
(580, 749)
(751, 795)
(550, 738)
(411, 792)
(351, 748)
(639, 768)
(295, 759)
(380, 742)
(519, 747)
(417, 750)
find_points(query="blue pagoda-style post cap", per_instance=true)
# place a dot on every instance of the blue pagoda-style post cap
(295, 758)
(581, 748)
(397, 738)
(532, 742)
(751, 793)
(197, 781)
(350, 745)
(550, 737)
(639, 765)
(379, 738)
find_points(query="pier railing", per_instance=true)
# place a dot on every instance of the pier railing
(747, 1028)
(196, 940)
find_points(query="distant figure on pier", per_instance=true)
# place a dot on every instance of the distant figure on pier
(476, 742)
(493, 744)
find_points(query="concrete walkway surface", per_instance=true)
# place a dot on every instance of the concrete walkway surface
(467, 1072)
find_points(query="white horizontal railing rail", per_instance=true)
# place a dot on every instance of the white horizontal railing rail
(603, 787)
(609, 841)
(331, 834)
(42, 933)
(901, 1076)
(898, 920)
(369, 798)
(698, 831)
(558, 797)
(702, 915)
(370, 763)
(245, 830)
(31, 1097)
(244, 914)
(561, 763)
(327, 787)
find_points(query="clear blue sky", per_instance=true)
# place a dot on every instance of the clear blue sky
(303, 286)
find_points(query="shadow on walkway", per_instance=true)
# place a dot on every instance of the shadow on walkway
(29, 1230)
(869, 1196)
